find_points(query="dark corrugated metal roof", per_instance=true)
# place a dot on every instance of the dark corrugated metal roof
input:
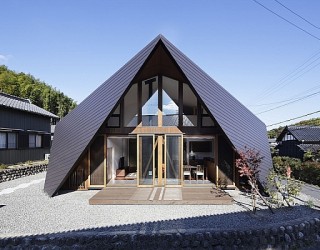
(78, 128)
(75, 131)
(306, 133)
(240, 125)
(15, 102)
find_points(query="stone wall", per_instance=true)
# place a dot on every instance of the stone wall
(22, 171)
(295, 236)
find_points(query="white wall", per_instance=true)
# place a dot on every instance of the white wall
(120, 148)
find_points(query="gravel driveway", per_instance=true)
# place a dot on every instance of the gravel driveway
(26, 210)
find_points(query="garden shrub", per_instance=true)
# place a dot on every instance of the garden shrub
(310, 173)
(281, 163)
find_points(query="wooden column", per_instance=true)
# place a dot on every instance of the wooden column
(160, 160)
(160, 101)
(216, 158)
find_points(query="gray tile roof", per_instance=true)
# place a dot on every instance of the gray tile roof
(305, 133)
(310, 147)
(77, 130)
(15, 102)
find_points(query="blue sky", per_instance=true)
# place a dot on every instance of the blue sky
(255, 55)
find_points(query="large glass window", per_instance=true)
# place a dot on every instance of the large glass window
(189, 107)
(131, 107)
(173, 159)
(170, 102)
(150, 102)
(146, 159)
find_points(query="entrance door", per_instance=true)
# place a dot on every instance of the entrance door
(173, 159)
(153, 168)
(146, 160)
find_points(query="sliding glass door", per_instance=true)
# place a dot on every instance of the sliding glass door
(146, 160)
(173, 159)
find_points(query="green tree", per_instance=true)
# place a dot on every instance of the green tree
(40, 93)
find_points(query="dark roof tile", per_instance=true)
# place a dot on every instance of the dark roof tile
(15, 102)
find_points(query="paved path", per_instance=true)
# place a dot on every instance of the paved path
(311, 190)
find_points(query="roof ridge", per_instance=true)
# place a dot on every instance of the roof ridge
(15, 97)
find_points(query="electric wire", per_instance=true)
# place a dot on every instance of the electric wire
(286, 104)
(305, 31)
(296, 14)
(294, 118)
(283, 81)
(287, 100)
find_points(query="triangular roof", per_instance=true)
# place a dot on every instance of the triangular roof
(75, 131)
(302, 133)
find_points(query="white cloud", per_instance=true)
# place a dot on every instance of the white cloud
(171, 107)
(4, 58)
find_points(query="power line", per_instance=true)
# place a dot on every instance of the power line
(286, 20)
(287, 100)
(286, 104)
(283, 81)
(294, 118)
(297, 14)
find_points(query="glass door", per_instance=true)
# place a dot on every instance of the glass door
(173, 159)
(146, 160)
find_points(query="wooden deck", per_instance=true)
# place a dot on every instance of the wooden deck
(161, 196)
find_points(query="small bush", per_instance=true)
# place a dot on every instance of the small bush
(3, 166)
(281, 164)
(310, 173)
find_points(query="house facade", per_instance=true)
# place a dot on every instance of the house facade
(158, 121)
(25, 130)
(295, 141)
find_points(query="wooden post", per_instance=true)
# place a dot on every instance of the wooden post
(160, 160)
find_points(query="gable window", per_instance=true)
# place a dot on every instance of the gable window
(8, 140)
(189, 107)
(114, 120)
(206, 120)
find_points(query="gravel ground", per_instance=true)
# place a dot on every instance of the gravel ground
(28, 210)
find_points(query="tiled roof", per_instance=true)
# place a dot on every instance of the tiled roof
(306, 133)
(15, 102)
(310, 147)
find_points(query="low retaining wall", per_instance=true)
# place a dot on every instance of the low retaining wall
(14, 173)
(296, 236)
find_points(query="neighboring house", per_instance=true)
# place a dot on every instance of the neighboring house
(158, 121)
(25, 130)
(295, 141)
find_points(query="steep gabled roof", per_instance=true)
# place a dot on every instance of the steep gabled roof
(75, 132)
(14, 102)
(302, 133)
